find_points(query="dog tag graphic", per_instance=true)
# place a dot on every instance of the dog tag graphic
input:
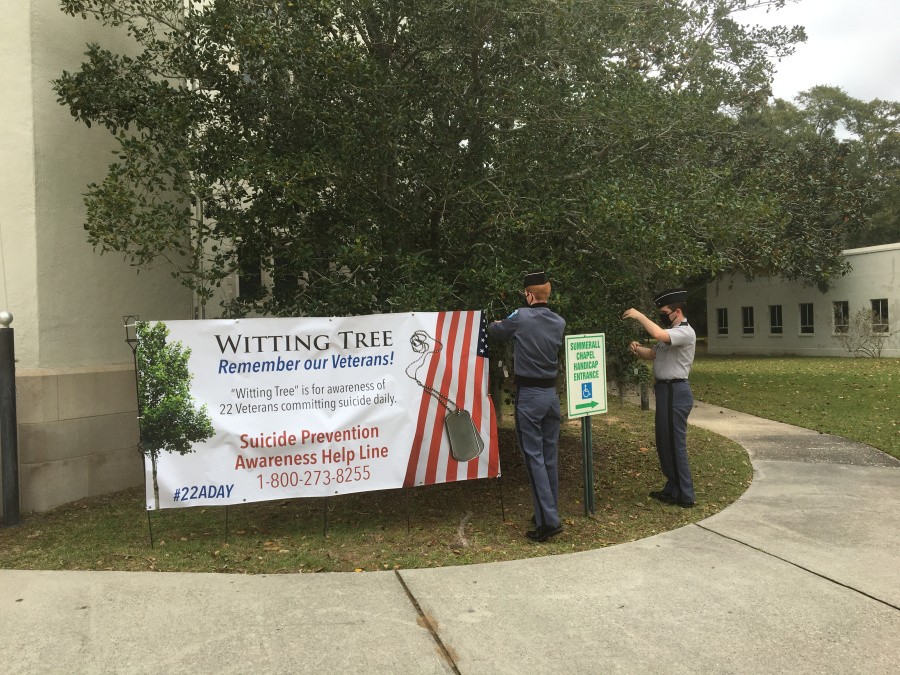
(465, 441)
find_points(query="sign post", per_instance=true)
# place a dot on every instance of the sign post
(9, 440)
(586, 396)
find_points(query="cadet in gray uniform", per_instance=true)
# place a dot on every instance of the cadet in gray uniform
(672, 357)
(537, 333)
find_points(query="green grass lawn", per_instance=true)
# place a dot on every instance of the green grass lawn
(449, 524)
(855, 398)
(463, 523)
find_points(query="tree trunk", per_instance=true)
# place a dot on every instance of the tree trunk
(155, 483)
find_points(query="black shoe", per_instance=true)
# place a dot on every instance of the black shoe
(661, 496)
(543, 533)
(685, 505)
(533, 520)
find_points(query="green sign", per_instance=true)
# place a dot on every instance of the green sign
(586, 374)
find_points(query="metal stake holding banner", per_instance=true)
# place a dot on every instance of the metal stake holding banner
(9, 439)
(150, 529)
(502, 507)
(130, 322)
(405, 494)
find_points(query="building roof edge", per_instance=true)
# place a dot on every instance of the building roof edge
(871, 249)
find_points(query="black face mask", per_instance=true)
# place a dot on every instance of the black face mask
(665, 320)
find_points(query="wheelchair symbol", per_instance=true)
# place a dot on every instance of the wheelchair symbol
(587, 390)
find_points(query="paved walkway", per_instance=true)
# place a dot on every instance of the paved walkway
(800, 575)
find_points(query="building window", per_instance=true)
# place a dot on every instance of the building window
(747, 320)
(880, 322)
(250, 284)
(776, 327)
(841, 316)
(722, 320)
(807, 325)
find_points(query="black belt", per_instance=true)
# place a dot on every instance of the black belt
(540, 382)
(684, 379)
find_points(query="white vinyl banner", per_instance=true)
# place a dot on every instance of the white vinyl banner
(310, 407)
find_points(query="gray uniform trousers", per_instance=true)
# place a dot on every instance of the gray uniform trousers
(674, 401)
(537, 426)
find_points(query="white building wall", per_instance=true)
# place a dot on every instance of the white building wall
(18, 248)
(81, 296)
(76, 399)
(875, 275)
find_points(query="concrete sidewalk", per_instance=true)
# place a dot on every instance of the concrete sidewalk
(801, 575)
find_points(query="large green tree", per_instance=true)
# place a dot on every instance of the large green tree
(866, 135)
(349, 156)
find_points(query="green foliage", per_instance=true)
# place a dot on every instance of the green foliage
(390, 155)
(854, 146)
(169, 421)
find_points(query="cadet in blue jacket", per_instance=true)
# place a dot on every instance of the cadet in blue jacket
(672, 357)
(537, 333)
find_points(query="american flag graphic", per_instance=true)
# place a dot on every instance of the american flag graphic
(458, 369)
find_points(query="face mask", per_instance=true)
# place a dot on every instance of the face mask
(665, 320)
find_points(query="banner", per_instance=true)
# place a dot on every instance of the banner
(311, 407)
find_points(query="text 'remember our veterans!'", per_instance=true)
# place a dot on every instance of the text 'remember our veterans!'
(537, 335)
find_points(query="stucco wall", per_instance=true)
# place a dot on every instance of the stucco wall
(876, 274)
(81, 296)
(18, 255)
(77, 429)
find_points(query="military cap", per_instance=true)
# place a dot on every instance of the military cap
(535, 279)
(671, 296)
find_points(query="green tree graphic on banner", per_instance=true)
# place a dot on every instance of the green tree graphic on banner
(169, 419)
